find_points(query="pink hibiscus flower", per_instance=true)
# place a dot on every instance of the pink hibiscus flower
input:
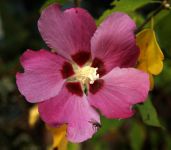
(90, 70)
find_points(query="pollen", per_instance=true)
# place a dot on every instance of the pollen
(87, 74)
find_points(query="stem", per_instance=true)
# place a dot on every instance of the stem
(149, 18)
(77, 3)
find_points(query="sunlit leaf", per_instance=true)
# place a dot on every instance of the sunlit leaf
(151, 56)
(59, 137)
(149, 114)
(59, 134)
(33, 115)
(151, 81)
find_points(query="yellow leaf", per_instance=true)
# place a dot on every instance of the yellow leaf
(33, 115)
(59, 137)
(151, 81)
(151, 56)
(59, 134)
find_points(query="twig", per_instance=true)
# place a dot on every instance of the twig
(148, 19)
(164, 5)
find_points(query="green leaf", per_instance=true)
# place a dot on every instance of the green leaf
(72, 146)
(163, 27)
(149, 114)
(127, 6)
(136, 135)
(108, 125)
(49, 2)
(168, 141)
(164, 78)
(159, 17)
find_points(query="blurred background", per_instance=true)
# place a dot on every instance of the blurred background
(149, 129)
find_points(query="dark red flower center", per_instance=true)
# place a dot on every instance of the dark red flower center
(67, 70)
(75, 88)
(81, 57)
(97, 63)
(98, 84)
(84, 76)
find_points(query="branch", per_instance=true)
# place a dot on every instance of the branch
(164, 5)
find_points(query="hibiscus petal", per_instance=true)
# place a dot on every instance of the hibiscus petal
(72, 109)
(120, 89)
(67, 32)
(42, 78)
(114, 43)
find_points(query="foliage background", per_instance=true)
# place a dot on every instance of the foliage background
(18, 32)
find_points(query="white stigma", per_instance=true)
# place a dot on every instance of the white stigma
(87, 74)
